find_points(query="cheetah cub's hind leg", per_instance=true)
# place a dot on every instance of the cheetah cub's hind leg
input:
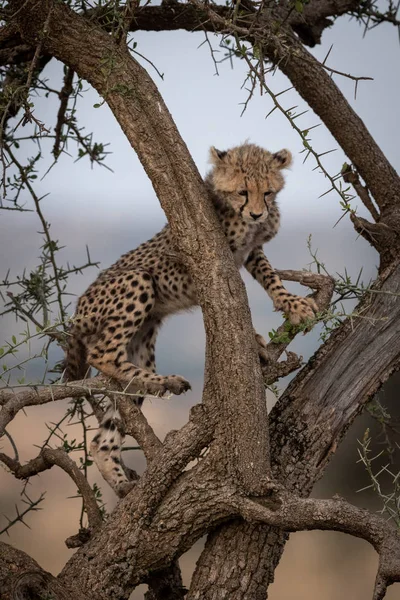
(262, 347)
(141, 349)
(124, 317)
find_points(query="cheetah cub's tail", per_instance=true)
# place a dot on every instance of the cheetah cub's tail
(106, 451)
(75, 364)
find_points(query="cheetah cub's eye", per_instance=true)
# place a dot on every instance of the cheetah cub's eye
(267, 194)
(243, 193)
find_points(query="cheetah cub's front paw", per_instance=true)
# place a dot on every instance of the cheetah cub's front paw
(296, 308)
(177, 384)
(160, 385)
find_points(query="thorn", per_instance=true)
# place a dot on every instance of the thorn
(326, 57)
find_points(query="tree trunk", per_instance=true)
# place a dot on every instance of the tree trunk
(306, 427)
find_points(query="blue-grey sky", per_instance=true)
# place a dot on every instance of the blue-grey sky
(113, 212)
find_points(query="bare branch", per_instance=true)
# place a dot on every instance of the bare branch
(273, 371)
(31, 506)
(380, 235)
(323, 284)
(136, 425)
(13, 402)
(47, 459)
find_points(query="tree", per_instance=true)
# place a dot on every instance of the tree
(244, 490)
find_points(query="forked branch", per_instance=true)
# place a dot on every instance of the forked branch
(49, 457)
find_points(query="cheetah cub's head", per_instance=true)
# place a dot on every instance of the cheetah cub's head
(248, 178)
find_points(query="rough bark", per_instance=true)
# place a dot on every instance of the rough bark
(238, 561)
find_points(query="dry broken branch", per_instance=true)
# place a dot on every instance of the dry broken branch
(351, 176)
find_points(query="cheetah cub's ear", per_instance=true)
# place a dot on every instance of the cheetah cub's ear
(217, 156)
(282, 159)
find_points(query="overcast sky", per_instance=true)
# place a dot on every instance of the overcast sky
(113, 212)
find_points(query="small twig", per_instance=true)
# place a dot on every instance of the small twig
(13, 445)
(46, 232)
(212, 51)
(64, 95)
(126, 20)
(32, 506)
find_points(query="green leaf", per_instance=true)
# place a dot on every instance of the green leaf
(299, 6)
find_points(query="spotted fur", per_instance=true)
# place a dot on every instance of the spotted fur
(117, 319)
(106, 448)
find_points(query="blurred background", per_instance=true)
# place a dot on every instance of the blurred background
(114, 211)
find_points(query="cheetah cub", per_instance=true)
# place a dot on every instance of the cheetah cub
(117, 319)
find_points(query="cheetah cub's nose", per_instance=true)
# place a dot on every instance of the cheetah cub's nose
(255, 217)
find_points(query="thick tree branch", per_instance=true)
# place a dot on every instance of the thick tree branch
(179, 448)
(314, 19)
(292, 513)
(171, 16)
